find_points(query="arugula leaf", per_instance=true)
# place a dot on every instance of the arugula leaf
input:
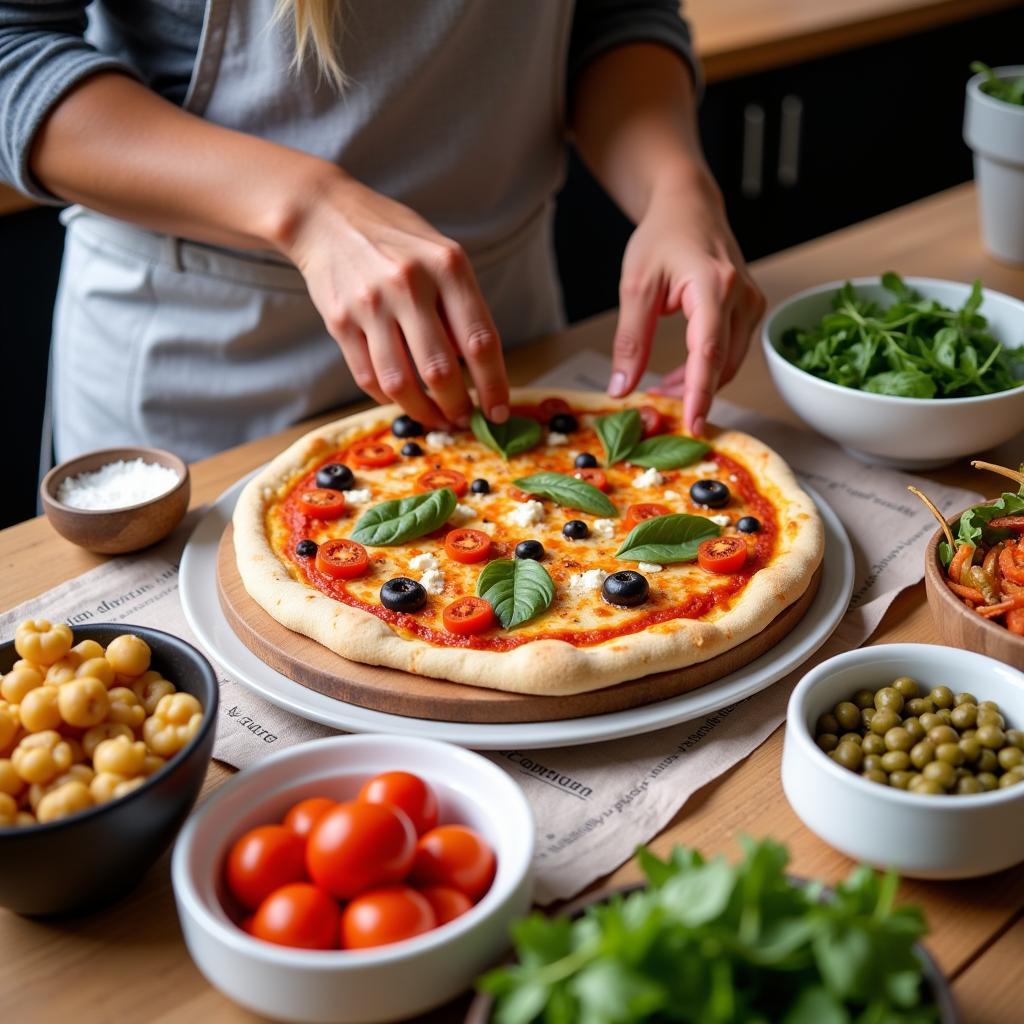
(619, 433)
(568, 492)
(516, 435)
(974, 528)
(518, 589)
(909, 383)
(401, 519)
(667, 539)
(668, 451)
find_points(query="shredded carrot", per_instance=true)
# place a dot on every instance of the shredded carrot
(1011, 564)
(961, 560)
(967, 593)
(992, 559)
(1015, 621)
(1012, 604)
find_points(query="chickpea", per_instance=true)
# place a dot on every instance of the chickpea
(176, 720)
(125, 707)
(120, 756)
(104, 731)
(76, 773)
(152, 764)
(63, 670)
(64, 801)
(38, 641)
(128, 786)
(10, 722)
(103, 786)
(128, 655)
(99, 668)
(11, 782)
(942, 697)
(87, 650)
(39, 711)
(8, 810)
(84, 702)
(19, 733)
(41, 757)
(150, 688)
(18, 682)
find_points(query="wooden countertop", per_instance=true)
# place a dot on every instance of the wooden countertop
(129, 961)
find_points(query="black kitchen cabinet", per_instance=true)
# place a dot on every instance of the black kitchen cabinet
(803, 150)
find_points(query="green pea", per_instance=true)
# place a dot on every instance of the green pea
(889, 697)
(942, 697)
(871, 762)
(919, 706)
(847, 715)
(945, 716)
(987, 762)
(922, 753)
(989, 705)
(873, 744)
(851, 737)
(865, 717)
(966, 698)
(971, 748)
(991, 736)
(883, 720)
(968, 784)
(987, 717)
(1015, 738)
(1010, 758)
(827, 723)
(899, 738)
(926, 787)
(827, 741)
(988, 781)
(943, 734)
(950, 753)
(876, 775)
(968, 734)
(964, 716)
(914, 728)
(1012, 778)
(901, 780)
(929, 720)
(941, 772)
(864, 699)
(895, 761)
(907, 687)
(849, 755)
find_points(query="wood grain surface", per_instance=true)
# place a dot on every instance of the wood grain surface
(129, 964)
(402, 693)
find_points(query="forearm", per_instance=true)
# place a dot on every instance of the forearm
(634, 122)
(116, 147)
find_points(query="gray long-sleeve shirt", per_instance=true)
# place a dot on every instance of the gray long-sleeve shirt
(44, 53)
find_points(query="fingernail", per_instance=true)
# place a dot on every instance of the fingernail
(618, 384)
(698, 426)
(499, 413)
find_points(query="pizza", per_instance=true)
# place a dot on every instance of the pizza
(583, 543)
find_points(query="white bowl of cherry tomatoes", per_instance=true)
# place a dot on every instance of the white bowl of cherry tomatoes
(354, 879)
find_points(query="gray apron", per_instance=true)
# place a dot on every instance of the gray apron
(454, 108)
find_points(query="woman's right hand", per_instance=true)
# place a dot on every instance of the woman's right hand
(400, 299)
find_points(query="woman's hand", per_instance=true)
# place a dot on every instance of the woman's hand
(401, 300)
(682, 256)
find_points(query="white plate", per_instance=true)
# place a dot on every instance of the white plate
(198, 588)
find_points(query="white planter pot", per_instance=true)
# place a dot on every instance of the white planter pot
(994, 130)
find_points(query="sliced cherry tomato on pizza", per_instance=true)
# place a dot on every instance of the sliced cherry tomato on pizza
(373, 455)
(552, 407)
(638, 513)
(519, 495)
(321, 503)
(722, 554)
(653, 421)
(468, 616)
(435, 479)
(467, 546)
(596, 477)
(342, 559)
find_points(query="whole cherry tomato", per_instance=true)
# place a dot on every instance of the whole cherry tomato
(300, 915)
(382, 916)
(722, 554)
(306, 813)
(357, 845)
(447, 903)
(408, 793)
(454, 856)
(263, 860)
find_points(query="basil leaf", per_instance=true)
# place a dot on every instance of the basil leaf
(516, 435)
(518, 589)
(568, 492)
(619, 433)
(668, 451)
(666, 539)
(401, 519)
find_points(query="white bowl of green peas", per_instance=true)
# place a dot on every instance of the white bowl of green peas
(911, 756)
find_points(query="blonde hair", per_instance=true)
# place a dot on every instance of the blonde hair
(317, 25)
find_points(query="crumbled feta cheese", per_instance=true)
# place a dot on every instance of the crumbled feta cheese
(703, 469)
(527, 513)
(670, 495)
(438, 439)
(409, 470)
(648, 478)
(649, 567)
(462, 514)
(603, 528)
(433, 581)
(721, 520)
(582, 582)
(734, 478)
(421, 563)
(357, 496)
(555, 438)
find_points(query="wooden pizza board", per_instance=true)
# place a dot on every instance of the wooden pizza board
(400, 693)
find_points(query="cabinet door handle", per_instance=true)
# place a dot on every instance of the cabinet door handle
(752, 173)
(788, 171)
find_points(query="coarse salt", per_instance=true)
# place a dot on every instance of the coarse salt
(117, 485)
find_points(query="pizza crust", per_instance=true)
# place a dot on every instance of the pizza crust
(545, 666)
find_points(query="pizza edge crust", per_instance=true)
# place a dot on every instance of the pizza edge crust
(541, 667)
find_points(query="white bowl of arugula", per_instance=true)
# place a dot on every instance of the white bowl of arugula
(710, 940)
(910, 373)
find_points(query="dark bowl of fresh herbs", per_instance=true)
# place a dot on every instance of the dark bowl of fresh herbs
(910, 373)
(732, 943)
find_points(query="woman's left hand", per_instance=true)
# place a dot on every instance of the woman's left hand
(683, 256)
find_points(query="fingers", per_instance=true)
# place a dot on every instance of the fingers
(437, 363)
(746, 315)
(395, 374)
(708, 312)
(639, 308)
(352, 343)
(473, 331)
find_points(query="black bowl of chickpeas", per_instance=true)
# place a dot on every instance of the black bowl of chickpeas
(106, 733)
(911, 756)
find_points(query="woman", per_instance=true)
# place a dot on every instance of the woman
(254, 179)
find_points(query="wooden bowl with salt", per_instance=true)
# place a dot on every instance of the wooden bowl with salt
(132, 523)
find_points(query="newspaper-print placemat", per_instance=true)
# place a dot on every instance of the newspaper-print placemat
(594, 804)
